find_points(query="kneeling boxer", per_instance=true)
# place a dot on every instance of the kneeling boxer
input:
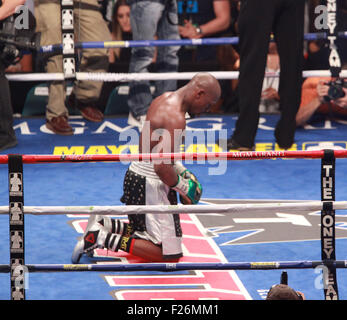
(155, 237)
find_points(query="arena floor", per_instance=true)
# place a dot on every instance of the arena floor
(212, 238)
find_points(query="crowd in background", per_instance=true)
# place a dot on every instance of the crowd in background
(120, 20)
(196, 19)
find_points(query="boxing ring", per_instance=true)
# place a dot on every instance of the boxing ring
(17, 210)
(18, 269)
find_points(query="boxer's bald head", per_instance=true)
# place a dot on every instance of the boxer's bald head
(205, 90)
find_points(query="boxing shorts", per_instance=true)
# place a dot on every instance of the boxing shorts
(142, 186)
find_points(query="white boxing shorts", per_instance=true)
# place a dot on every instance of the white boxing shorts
(142, 186)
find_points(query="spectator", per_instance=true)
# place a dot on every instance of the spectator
(284, 292)
(205, 18)
(229, 60)
(150, 18)
(257, 20)
(7, 135)
(25, 65)
(89, 26)
(119, 58)
(269, 102)
(120, 30)
(314, 91)
(210, 19)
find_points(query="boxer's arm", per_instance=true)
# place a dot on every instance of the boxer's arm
(184, 183)
(166, 173)
(165, 169)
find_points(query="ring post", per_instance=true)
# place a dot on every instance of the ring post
(68, 45)
(328, 224)
(16, 221)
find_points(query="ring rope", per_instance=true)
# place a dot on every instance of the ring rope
(271, 265)
(243, 155)
(15, 166)
(293, 207)
(149, 76)
(165, 43)
(332, 263)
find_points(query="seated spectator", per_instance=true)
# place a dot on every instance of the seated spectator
(119, 58)
(228, 59)
(120, 30)
(284, 292)
(314, 91)
(269, 102)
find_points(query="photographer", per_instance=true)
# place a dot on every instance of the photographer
(283, 291)
(316, 97)
(7, 135)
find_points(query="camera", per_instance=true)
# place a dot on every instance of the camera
(335, 90)
(284, 277)
(14, 41)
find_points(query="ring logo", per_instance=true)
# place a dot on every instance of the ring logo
(17, 241)
(178, 285)
(15, 184)
(16, 213)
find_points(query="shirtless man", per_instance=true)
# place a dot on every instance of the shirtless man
(155, 237)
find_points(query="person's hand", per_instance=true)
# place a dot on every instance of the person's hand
(342, 102)
(301, 294)
(237, 64)
(14, 68)
(188, 30)
(322, 90)
(270, 93)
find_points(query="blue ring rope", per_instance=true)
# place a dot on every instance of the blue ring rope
(179, 266)
(162, 43)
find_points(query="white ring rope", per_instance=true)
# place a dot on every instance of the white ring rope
(179, 209)
(126, 77)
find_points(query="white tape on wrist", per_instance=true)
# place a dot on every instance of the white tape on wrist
(179, 167)
(182, 186)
